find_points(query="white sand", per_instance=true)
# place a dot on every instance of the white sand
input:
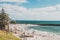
(37, 35)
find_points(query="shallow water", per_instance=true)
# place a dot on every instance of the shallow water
(55, 29)
(47, 28)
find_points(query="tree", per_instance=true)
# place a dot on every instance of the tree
(4, 19)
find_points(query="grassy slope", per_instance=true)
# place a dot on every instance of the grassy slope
(8, 36)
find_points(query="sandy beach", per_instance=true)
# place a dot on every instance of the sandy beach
(21, 31)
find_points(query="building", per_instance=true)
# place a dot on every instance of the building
(4, 20)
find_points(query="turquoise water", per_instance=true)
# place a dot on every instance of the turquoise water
(36, 22)
(47, 28)
(42, 28)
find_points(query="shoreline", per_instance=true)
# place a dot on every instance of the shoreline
(21, 29)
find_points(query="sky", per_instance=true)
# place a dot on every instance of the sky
(31, 9)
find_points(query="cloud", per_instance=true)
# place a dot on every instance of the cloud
(13, 0)
(22, 13)
(47, 13)
(16, 12)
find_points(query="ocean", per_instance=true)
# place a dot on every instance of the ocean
(55, 29)
(36, 22)
(42, 28)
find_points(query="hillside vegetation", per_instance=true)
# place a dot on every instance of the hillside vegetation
(7, 36)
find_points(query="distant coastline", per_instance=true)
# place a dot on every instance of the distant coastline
(49, 24)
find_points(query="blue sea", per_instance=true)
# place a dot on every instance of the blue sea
(55, 29)
(36, 22)
(42, 28)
